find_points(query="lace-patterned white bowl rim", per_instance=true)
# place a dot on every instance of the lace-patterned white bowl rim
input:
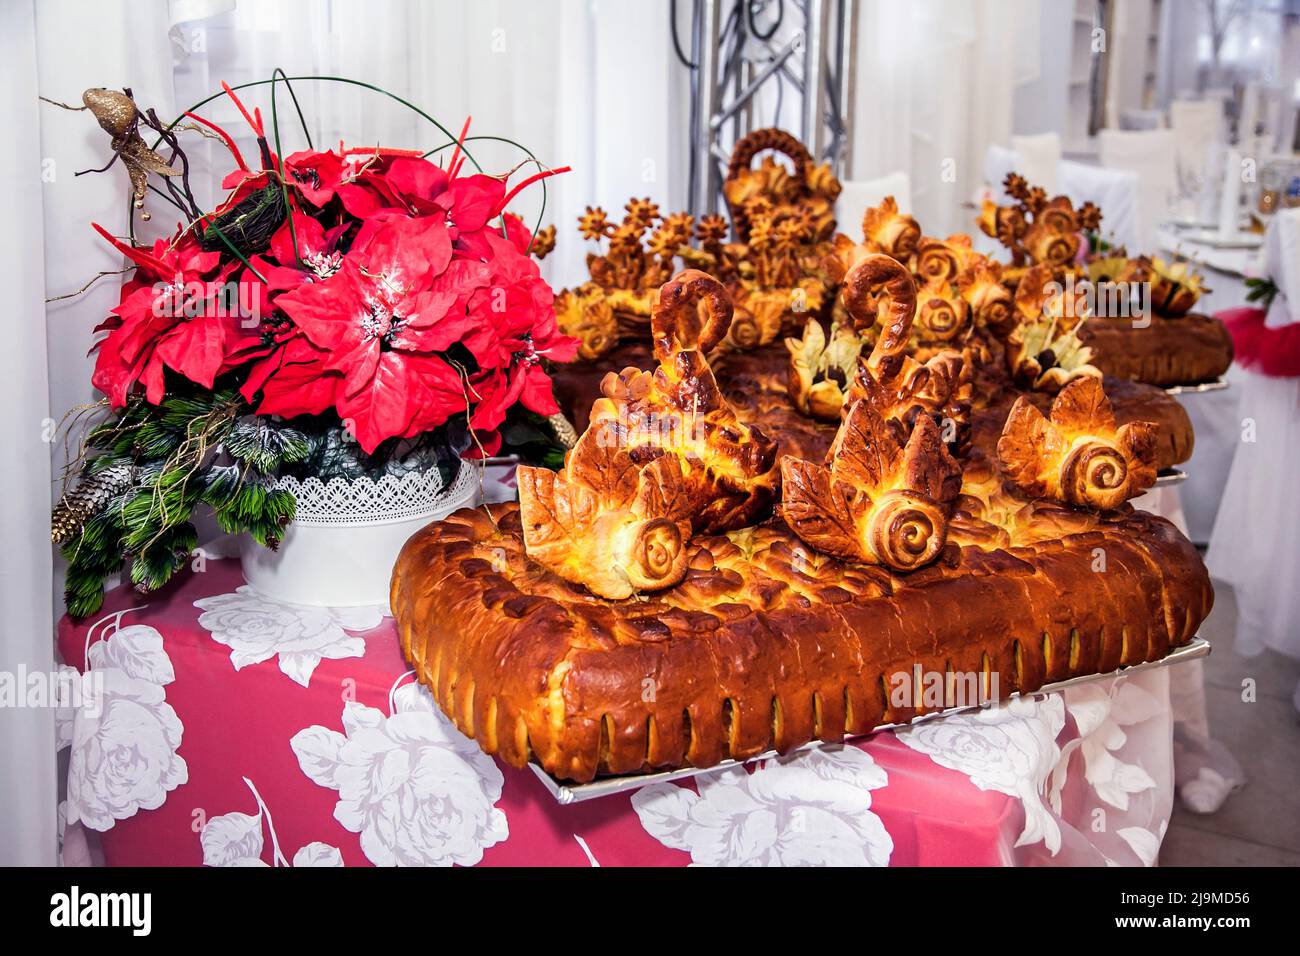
(364, 501)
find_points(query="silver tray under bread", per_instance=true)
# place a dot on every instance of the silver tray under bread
(1194, 649)
(1217, 385)
(1170, 476)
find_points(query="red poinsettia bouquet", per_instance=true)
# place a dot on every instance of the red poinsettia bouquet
(347, 304)
(391, 291)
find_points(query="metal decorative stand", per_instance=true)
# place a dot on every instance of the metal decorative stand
(808, 44)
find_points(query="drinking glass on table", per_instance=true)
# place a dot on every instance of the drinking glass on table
(1269, 189)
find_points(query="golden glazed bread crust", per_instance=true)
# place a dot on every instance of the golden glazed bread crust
(767, 644)
(1183, 351)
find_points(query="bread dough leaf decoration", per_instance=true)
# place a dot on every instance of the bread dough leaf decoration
(1078, 456)
(879, 291)
(1175, 287)
(821, 370)
(1044, 351)
(1037, 229)
(889, 231)
(664, 456)
(605, 522)
(878, 502)
(679, 410)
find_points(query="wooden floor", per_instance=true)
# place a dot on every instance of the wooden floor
(1259, 825)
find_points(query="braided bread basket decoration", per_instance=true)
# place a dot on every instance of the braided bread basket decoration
(808, 192)
(766, 630)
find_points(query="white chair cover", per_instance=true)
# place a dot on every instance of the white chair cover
(1196, 124)
(1282, 262)
(1040, 159)
(1152, 155)
(1114, 192)
(858, 196)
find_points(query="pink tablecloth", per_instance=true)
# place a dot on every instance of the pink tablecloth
(231, 729)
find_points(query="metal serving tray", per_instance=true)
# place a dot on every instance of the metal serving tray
(1171, 476)
(1217, 385)
(1194, 649)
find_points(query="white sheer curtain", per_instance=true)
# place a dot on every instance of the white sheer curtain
(56, 49)
(26, 735)
(936, 81)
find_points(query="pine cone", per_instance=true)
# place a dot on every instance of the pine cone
(91, 494)
(564, 431)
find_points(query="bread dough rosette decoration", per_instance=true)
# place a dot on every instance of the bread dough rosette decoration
(783, 219)
(1079, 455)
(604, 523)
(827, 376)
(640, 255)
(959, 291)
(774, 289)
(880, 292)
(1037, 230)
(990, 301)
(884, 230)
(803, 191)
(886, 493)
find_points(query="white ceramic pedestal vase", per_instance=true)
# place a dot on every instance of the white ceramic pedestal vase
(340, 548)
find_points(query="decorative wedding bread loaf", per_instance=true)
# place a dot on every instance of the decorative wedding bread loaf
(672, 599)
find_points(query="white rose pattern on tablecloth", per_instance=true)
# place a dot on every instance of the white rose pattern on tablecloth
(1143, 842)
(124, 747)
(256, 628)
(809, 808)
(418, 791)
(1100, 713)
(1010, 748)
(236, 839)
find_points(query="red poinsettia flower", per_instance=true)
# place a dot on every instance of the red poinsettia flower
(381, 322)
(317, 175)
(309, 247)
(525, 383)
(425, 189)
(164, 262)
(293, 379)
(514, 310)
(187, 325)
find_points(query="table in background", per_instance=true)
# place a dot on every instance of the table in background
(1214, 416)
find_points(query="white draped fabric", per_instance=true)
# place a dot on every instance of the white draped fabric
(56, 49)
(26, 734)
(1253, 546)
(1113, 191)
